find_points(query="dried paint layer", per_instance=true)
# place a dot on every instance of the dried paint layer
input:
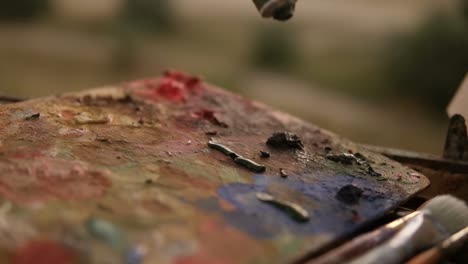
(44, 178)
(133, 163)
(43, 252)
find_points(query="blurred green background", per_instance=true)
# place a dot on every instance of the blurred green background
(378, 72)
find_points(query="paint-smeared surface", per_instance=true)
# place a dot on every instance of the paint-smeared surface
(124, 175)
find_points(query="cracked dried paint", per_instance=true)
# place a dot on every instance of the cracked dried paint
(120, 156)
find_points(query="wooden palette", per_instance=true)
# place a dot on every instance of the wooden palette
(123, 174)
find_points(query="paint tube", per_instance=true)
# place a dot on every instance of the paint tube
(278, 9)
(404, 237)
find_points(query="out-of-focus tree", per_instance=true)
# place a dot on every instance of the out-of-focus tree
(431, 62)
(137, 18)
(464, 4)
(151, 15)
(23, 10)
(274, 48)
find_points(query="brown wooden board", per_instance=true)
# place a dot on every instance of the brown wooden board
(124, 174)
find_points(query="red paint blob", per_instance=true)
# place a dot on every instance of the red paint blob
(27, 155)
(191, 83)
(43, 252)
(174, 86)
(171, 90)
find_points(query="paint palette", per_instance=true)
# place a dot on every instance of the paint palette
(124, 174)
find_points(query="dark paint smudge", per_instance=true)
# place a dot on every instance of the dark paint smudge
(344, 158)
(33, 117)
(349, 194)
(211, 133)
(265, 154)
(285, 140)
(373, 173)
(210, 116)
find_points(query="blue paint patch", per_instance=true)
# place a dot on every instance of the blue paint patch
(133, 256)
(327, 214)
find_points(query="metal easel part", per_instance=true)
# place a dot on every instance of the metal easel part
(456, 143)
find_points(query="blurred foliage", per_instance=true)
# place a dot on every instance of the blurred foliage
(150, 15)
(139, 16)
(125, 49)
(21, 10)
(275, 48)
(464, 5)
(430, 63)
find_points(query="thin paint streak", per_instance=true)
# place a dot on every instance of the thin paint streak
(294, 210)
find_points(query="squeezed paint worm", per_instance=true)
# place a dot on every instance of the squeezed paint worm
(149, 181)
(283, 173)
(295, 211)
(251, 165)
(225, 150)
